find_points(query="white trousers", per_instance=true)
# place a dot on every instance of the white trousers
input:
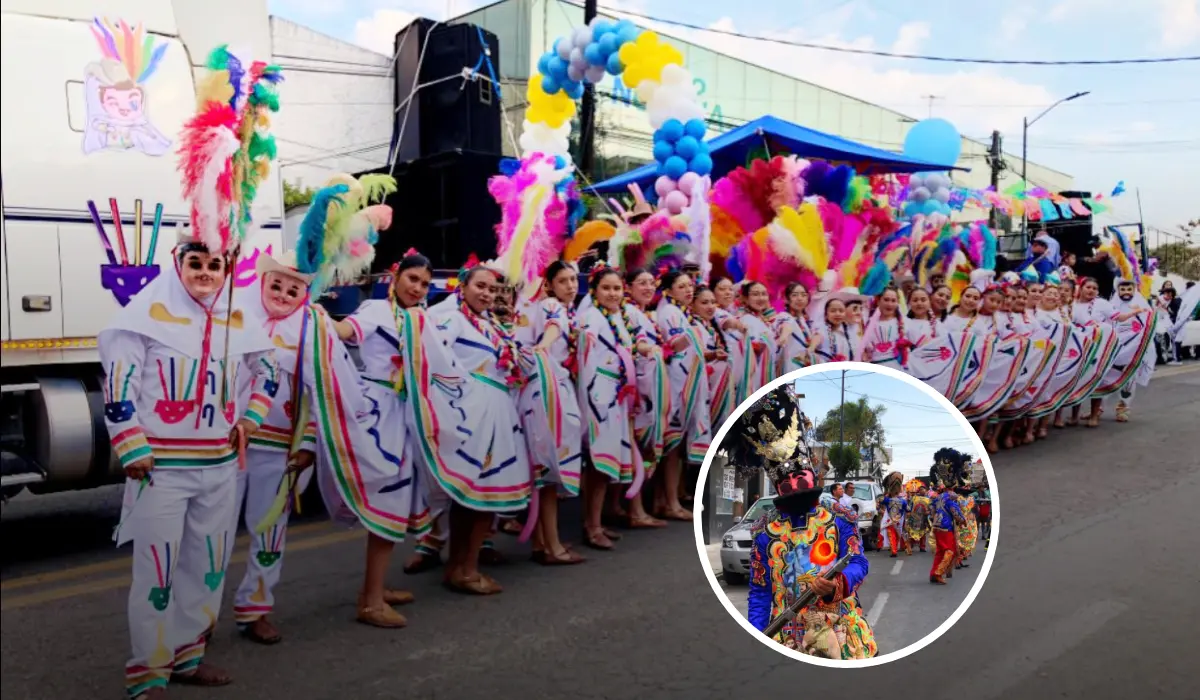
(257, 487)
(180, 527)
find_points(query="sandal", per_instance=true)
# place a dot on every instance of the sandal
(567, 559)
(598, 539)
(480, 585)
(261, 631)
(384, 617)
(512, 527)
(612, 534)
(204, 676)
(393, 596)
(680, 515)
(646, 523)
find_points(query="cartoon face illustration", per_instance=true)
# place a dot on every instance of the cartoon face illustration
(119, 411)
(115, 92)
(123, 102)
(126, 281)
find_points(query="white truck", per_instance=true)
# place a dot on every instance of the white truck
(94, 94)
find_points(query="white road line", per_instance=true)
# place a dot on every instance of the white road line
(877, 609)
(896, 567)
(1048, 644)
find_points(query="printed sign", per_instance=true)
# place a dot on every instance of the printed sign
(115, 91)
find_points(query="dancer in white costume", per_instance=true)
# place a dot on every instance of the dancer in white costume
(885, 341)
(171, 414)
(1134, 364)
(758, 363)
(1090, 311)
(282, 292)
(716, 355)
(837, 338)
(796, 337)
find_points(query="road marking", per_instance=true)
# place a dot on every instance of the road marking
(897, 566)
(1041, 648)
(81, 589)
(123, 562)
(1168, 372)
(877, 609)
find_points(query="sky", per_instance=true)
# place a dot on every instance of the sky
(1140, 124)
(916, 425)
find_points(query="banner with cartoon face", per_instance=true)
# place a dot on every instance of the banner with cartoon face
(115, 91)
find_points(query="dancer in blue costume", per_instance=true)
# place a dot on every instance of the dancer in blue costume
(800, 542)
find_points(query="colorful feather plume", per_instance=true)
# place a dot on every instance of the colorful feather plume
(1122, 252)
(340, 229)
(586, 236)
(133, 48)
(533, 222)
(226, 150)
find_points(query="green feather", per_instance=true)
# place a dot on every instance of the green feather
(376, 187)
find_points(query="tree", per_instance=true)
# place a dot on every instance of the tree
(863, 429)
(1180, 258)
(844, 460)
(296, 196)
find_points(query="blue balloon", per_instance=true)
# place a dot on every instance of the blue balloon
(661, 169)
(704, 147)
(574, 89)
(602, 26)
(933, 141)
(543, 65)
(687, 147)
(672, 130)
(556, 67)
(675, 167)
(614, 65)
(608, 43)
(594, 55)
(662, 151)
(560, 163)
(630, 33)
(550, 84)
(702, 164)
(624, 25)
(696, 128)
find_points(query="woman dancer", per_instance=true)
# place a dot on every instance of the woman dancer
(795, 336)
(1078, 344)
(759, 362)
(884, 341)
(922, 323)
(856, 322)
(837, 343)
(689, 431)
(1092, 311)
(939, 301)
(716, 355)
(608, 397)
(553, 431)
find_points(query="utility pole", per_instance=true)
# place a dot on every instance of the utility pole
(842, 416)
(996, 162)
(587, 115)
(931, 98)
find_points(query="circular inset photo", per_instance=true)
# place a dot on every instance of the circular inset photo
(847, 515)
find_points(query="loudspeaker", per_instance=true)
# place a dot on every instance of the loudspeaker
(442, 208)
(1073, 235)
(448, 113)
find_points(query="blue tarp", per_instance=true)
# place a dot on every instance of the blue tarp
(731, 150)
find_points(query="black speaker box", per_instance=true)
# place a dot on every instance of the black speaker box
(442, 208)
(448, 113)
(1073, 235)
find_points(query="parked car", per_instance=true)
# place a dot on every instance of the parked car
(865, 495)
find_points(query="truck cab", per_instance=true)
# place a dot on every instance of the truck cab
(94, 95)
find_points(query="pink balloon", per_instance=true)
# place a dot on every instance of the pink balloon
(664, 186)
(675, 201)
(688, 182)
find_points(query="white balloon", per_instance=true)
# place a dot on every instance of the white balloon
(563, 48)
(577, 58)
(539, 138)
(595, 74)
(676, 101)
(915, 181)
(675, 74)
(920, 194)
(574, 72)
(942, 195)
(934, 181)
(645, 90)
(582, 37)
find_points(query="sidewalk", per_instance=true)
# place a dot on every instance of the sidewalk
(714, 558)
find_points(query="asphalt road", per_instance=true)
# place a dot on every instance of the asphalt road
(901, 605)
(1092, 595)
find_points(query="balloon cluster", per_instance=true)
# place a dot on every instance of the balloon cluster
(680, 148)
(673, 195)
(928, 194)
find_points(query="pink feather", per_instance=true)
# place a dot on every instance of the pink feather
(730, 198)
(207, 145)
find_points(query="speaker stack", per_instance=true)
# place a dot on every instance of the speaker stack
(447, 147)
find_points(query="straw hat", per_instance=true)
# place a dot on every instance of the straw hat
(980, 279)
(283, 265)
(847, 295)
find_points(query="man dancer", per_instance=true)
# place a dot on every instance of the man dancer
(1130, 308)
(946, 517)
(897, 513)
(796, 547)
(916, 525)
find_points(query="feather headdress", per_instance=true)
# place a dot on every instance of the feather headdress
(132, 48)
(340, 229)
(226, 150)
(534, 218)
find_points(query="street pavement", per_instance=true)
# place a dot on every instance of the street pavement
(900, 603)
(1092, 595)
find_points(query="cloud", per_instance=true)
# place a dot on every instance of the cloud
(1142, 127)
(377, 31)
(1180, 23)
(307, 8)
(897, 84)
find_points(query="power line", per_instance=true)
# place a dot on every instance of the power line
(907, 56)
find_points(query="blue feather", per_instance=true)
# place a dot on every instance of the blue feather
(310, 249)
(152, 65)
(989, 248)
(876, 280)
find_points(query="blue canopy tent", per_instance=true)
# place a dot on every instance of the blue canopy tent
(733, 148)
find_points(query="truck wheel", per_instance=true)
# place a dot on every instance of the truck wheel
(733, 578)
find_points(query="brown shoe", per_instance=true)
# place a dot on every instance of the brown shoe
(261, 631)
(392, 596)
(383, 617)
(205, 675)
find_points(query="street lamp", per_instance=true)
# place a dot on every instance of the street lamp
(1025, 153)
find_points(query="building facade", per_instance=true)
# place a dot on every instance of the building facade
(731, 90)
